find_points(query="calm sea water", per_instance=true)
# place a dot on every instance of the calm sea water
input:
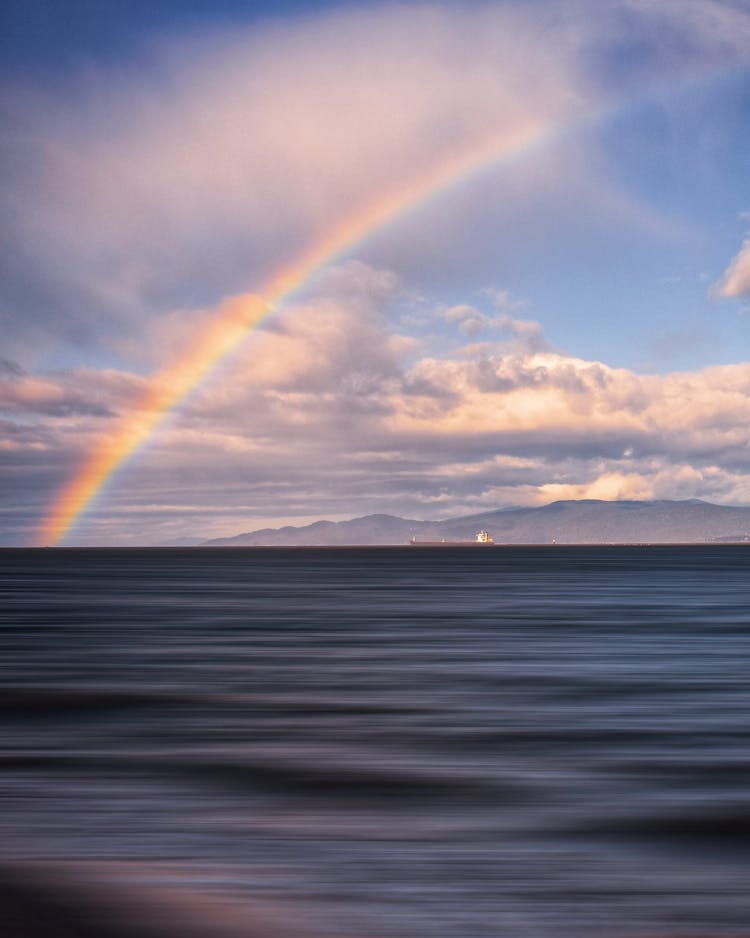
(522, 742)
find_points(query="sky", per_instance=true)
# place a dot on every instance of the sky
(265, 263)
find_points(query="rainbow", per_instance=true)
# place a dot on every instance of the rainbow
(237, 316)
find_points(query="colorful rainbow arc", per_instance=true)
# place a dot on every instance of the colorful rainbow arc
(237, 316)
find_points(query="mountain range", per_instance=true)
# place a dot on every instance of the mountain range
(562, 522)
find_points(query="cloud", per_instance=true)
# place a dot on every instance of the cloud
(330, 413)
(10, 368)
(212, 161)
(502, 333)
(557, 406)
(207, 163)
(98, 393)
(736, 280)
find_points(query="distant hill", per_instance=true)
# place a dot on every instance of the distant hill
(564, 522)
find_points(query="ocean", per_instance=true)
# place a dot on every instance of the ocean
(523, 742)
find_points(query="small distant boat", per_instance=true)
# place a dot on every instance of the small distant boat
(482, 539)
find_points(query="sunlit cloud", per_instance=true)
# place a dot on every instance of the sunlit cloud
(332, 413)
(736, 280)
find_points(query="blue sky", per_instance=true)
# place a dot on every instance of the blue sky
(42, 35)
(572, 321)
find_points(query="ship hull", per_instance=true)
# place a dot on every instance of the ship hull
(415, 543)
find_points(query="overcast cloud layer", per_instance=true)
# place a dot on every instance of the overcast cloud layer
(572, 323)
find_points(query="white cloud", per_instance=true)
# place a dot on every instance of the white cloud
(736, 279)
(505, 332)
(328, 414)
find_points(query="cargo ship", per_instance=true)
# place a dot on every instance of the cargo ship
(482, 539)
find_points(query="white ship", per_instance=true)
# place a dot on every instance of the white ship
(482, 539)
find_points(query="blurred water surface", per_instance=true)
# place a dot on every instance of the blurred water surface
(522, 742)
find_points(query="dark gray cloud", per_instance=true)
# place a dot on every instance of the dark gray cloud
(9, 368)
